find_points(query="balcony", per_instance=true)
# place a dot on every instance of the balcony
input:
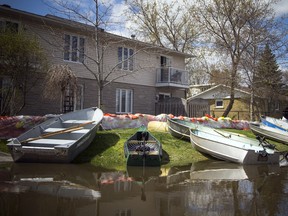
(172, 77)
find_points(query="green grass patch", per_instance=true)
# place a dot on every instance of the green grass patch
(107, 150)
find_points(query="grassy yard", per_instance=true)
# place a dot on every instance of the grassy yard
(107, 149)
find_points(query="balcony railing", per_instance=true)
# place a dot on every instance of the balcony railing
(168, 76)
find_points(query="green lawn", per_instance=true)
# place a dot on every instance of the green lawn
(107, 149)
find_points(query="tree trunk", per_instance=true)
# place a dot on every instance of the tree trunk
(232, 91)
(99, 96)
(252, 105)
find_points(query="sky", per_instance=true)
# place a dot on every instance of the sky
(39, 7)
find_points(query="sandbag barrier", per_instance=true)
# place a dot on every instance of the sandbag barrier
(15, 125)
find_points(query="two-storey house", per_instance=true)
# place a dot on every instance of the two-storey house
(136, 74)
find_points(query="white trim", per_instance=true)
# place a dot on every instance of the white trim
(219, 100)
(120, 64)
(70, 47)
(128, 109)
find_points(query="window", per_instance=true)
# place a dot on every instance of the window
(124, 100)
(165, 61)
(74, 48)
(163, 96)
(125, 58)
(219, 103)
(125, 212)
(9, 26)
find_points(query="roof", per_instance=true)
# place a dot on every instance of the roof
(73, 24)
(219, 92)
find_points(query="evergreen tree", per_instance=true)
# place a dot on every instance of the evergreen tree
(268, 77)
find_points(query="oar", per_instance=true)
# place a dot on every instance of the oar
(227, 136)
(67, 130)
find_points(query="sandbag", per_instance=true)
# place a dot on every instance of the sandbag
(157, 126)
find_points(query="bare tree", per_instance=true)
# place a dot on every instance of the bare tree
(164, 23)
(92, 19)
(270, 30)
(228, 24)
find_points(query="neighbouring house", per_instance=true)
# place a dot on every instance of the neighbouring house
(155, 73)
(217, 98)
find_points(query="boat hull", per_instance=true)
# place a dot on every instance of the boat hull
(60, 147)
(232, 150)
(140, 152)
(180, 128)
(275, 123)
(270, 133)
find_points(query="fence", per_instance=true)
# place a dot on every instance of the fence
(180, 106)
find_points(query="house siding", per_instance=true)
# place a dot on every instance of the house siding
(50, 33)
(143, 98)
(240, 109)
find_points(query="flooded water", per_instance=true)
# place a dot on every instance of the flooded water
(203, 188)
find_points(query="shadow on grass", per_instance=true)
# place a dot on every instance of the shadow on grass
(165, 157)
(102, 142)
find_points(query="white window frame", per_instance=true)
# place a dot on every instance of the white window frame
(123, 212)
(128, 100)
(69, 51)
(168, 61)
(165, 95)
(125, 58)
(219, 100)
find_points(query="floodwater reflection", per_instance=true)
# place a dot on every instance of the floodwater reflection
(203, 188)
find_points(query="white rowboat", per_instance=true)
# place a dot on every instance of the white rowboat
(57, 140)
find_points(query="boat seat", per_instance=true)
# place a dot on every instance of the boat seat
(76, 121)
(150, 153)
(154, 153)
(140, 141)
(52, 141)
(49, 130)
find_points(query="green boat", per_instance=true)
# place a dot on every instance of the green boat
(143, 149)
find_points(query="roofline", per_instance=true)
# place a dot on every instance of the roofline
(210, 89)
(74, 24)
